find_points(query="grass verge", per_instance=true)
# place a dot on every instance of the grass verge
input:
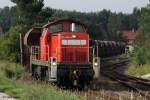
(22, 90)
(138, 70)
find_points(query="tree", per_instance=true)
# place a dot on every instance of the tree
(114, 25)
(143, 38)
(144, 32)
(43, 16)
(9, 44)
(28, 10)
(5, 18)
(26, 16)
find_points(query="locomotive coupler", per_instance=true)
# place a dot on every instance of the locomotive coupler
(75, 77)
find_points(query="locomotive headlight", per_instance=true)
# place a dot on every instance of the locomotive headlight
(95, 61)
(74, 36)
(96, 64)
(54, 63)
(75, 72)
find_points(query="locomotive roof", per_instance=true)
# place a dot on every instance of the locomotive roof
(62, 20)
(34, 33)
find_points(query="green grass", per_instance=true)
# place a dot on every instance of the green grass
(25, 90)
(136, 70)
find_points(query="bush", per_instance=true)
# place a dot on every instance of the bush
(141, 56)
(11, 70)
(138, 70)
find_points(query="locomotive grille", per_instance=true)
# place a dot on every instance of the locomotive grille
(74, 55)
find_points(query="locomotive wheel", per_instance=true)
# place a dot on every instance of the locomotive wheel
(36, 72)
(37, 76)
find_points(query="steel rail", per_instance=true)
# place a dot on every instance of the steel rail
(128, 81)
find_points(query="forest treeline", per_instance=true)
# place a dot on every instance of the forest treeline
(103, 25)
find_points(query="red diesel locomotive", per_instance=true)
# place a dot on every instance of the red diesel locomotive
(60, 52)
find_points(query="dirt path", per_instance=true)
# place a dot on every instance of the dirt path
(4, 96)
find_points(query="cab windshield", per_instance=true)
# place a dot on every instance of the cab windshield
(76, 27)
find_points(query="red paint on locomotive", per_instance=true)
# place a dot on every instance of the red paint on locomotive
(59, 40)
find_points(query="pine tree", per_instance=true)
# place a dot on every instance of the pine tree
(143, 38)
(28, 10)
(144, 32)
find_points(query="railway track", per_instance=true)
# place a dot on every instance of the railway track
(136, 84)
(113, 62)
(142, 86)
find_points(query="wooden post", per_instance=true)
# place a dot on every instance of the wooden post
(21, 50)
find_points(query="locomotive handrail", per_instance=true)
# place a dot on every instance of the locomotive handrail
(35, 52)
(78, 55)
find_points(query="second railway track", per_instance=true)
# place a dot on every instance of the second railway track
(142, 86)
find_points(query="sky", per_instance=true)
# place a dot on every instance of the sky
(125, 6)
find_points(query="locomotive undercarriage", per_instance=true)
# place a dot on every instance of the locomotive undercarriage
(67, 74)
(75, 74)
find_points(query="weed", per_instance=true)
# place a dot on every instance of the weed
(22, 90)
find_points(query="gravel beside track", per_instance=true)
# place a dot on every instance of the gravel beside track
(4, 96)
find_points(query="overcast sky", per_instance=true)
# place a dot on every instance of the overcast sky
(125, 6)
